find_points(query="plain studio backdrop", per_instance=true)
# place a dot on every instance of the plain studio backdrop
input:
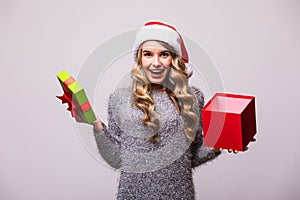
(255, 46)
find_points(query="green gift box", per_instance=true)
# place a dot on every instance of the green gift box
(75, 96)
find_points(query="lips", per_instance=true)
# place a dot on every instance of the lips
(156, 71)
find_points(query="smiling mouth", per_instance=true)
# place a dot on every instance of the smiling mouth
(156, 71)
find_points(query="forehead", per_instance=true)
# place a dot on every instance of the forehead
(153, 46)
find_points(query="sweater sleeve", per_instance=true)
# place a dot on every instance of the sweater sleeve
(108, 141)
(200, 153)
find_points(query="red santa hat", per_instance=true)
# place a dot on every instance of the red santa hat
(155, 30)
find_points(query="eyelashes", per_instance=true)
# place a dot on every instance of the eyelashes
(163, 54)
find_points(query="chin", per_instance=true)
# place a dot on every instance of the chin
(158, 80)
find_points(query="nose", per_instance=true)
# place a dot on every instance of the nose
(156, 61)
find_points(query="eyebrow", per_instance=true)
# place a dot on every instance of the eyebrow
(149, 51)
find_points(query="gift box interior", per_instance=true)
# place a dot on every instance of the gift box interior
(229, 121)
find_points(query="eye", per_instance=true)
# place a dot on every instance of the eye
(147, 54)
(165, 54)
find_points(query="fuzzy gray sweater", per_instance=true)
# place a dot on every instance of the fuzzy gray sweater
(160, 170)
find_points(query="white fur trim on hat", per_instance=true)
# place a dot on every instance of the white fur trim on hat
(160, 33)
(154, 30)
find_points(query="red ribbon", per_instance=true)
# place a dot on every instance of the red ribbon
(67, 98)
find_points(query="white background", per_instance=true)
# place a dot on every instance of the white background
(254, 44)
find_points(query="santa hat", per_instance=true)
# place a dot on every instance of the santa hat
(155, 30)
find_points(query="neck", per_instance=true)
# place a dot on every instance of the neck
(158, 88)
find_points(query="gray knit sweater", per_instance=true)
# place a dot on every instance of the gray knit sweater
(160, 170)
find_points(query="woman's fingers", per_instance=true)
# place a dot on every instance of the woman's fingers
(215, 150)
(78, 117)
(232, 151)
(229, 150)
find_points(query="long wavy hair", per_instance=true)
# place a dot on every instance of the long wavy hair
(176, 86)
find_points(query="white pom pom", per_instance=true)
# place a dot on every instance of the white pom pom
(189, 70)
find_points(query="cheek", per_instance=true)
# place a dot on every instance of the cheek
(167, 62)
(145, 62)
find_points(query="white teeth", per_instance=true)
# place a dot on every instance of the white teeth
(156, 70)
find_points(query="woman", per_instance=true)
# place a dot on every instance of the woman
(154, 134)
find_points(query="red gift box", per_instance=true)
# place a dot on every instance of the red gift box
(229, 121)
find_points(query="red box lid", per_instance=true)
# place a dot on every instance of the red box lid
(229, 103)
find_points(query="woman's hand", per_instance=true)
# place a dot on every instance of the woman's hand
(236, 151)
(217, 150)
(231, 150)
(97, 124)
(78, 117)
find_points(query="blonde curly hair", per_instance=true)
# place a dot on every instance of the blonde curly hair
(176, 85)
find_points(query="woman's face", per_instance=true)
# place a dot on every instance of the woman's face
(156, 61)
